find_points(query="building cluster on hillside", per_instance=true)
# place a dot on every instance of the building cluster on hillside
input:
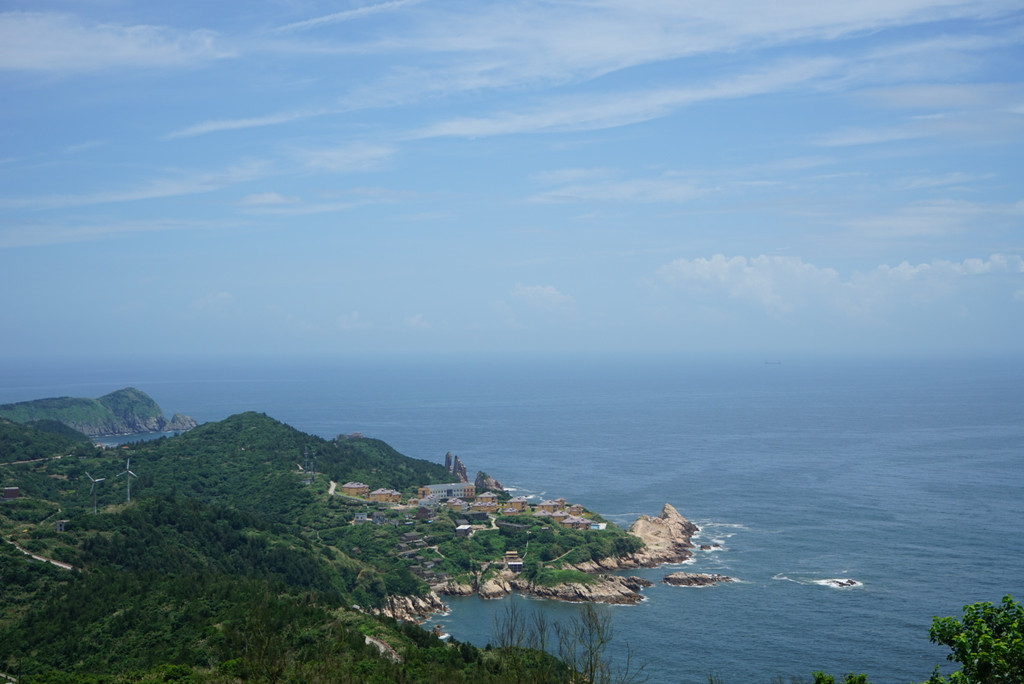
(462, 497)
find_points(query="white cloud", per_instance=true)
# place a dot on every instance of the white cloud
(776, 283)
(39, 41)
(417, 322)
(353, 321)
(541, 296)
(214, 301)
(782, 284)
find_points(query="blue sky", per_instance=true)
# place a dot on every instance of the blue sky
(309, 178)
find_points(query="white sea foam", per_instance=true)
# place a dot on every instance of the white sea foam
(688, 561)
(839, 583)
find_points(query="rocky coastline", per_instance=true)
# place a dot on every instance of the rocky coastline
(685, 579)
(666, 539)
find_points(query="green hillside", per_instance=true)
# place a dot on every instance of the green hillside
(226, 565)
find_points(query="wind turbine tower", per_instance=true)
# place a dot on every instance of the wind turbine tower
(92, 489)
(128, 480)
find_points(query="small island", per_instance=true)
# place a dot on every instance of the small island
(127, 411)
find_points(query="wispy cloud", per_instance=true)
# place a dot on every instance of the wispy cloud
(358, 156)
(40, 234)
(935, 218)
(343, 16)
(52, 42)
(633, 190)
(219, 125)
(214, 301)
(353, 321)
(171, 186)
(268, 199)
(619, 109)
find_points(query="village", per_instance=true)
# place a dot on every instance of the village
(471, 513)
(462, 497)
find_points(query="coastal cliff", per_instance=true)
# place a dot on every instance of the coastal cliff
(411, 608)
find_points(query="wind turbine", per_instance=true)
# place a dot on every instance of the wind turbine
(128, 480)
(92, 490)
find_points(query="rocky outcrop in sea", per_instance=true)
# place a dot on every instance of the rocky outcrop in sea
(685, 579)
(485, 482)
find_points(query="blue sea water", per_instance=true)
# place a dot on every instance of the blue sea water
(906, 476)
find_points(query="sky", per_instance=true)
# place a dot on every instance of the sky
(303, 178)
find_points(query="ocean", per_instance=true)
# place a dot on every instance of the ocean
(905, 476)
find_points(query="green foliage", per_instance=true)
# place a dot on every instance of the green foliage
(822, 678)
(41, 440)
(988, 643)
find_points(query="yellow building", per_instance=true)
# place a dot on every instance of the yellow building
(355, 489)
(517, 503)
(386, 496)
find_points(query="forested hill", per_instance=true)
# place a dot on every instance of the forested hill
(124, 412)
(39, 440)
(253, 462)
(231, 562)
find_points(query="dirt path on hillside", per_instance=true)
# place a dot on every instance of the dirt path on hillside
(43, 559)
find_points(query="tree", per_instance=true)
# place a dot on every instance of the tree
(988, 643)
(583, 645)
(823, 678)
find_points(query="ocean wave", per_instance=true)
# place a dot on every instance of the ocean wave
(688, 561)
(832, 582)
(839, 583)
(712, 523)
